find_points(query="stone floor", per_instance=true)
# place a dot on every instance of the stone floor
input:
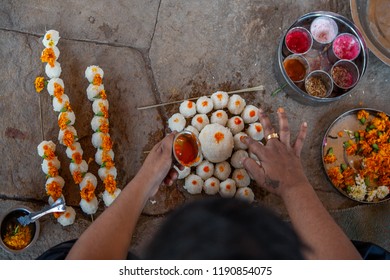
(155, 51)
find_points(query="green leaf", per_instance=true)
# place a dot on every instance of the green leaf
(68, 122)
(375, 146)
(44, 156)
(72, 160)
(343, 166)
(330, 151)
(103, 165)
(362, 120)
(99, 114)
(347, 144)
(63, 110)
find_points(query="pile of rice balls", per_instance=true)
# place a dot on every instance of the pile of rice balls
(219, 121)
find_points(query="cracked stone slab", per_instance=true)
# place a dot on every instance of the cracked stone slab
(215, 45)
(122, 22)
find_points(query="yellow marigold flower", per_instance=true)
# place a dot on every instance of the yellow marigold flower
(87, 192)
(39, 84)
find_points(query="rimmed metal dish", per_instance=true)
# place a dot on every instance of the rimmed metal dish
(345, 123)
(297, 91)
(373, 20)
(10, 220)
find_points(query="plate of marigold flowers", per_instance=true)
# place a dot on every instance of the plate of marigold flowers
(356, 155)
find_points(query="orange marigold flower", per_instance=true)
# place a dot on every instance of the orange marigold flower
(77, 158)
(103, 94)
(110, 184)
(104, 110)
(330, 158)
(106, 143)
(97, 80)
(68, 138)
(348, 176)
(109, 164)
(340, 134)
(53, 171)
(58, 91)
(88, 192)
(77, 177)
(39, 84)
(63, 121)
(104, 127)
(54, 190)
(67, 106)
(383, 116)
(335, 176)
(48, 153)
(48, 56)
(362, 114)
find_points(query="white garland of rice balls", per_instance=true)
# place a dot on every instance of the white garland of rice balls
(54, 183)
(66, 119)
(101, 139)
(220, 122)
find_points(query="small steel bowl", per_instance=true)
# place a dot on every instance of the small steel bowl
(9, 219)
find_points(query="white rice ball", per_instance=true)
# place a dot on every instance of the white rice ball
(99, 155)
(241, 177)
(254, 157)
(93, 91)
(98, 104)
(61, 134)
(89, 208)
(177, 122)
(219, 117)
(51, 38)
(97, 121)
(50, 200)
(88, 178)
(46, 164)
(192, 129)
(182, 173)
(109, 198)
(238, 145)
(70, 116)
(104, 171)
(82, 167)
(59, 104)
(211, 186)
(236, 104)
(235, 124)
(204, 105)
(205, 170)
(382, 192)
(222, 170)
(50, 85)
(75, 148)
(58, 179)
(53, 72)
(67, 218)
(245, 194)
(97, 139)
(238, 157)
(227, 188)
(45, 145)
(216, 142)
(199, 121)
(250, 114)
(91, 71)
(193, 184)
(255, 130)
(187, 109)
(220, 99)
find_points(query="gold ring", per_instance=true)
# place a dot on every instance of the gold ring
(272, 135)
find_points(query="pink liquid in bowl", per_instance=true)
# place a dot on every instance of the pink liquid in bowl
(346, 46)
(298, 40)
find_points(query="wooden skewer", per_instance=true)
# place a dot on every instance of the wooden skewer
(258, 88)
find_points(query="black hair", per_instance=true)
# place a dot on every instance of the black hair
(220, 228)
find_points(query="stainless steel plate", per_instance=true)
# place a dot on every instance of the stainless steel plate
(346, 121)
(372, 17)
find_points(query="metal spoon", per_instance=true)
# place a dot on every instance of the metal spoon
(57, 206)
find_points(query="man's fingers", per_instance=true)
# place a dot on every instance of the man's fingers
(300, 139)
(254, 170)
(284, 130)
(254, 146)
(266, 123)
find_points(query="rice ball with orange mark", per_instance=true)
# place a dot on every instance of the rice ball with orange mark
(48, 165)
(241, 177)
(89, 207)
(109, 198)
(100, 123)
(193, 184)
(53, 84)
(204, 105)
(227, 188)
(67, 136)
(205, 169)
(187, 108)
(51, 38)
(59, 104)
(93, 70)
(219, 117)
(89, 178)
(103, 156)
(53, 71)
(80, 167)
(65, 119)
(103, 172)
(238, 158)
(245, 194)
(192, 129)
(236, 104)
(222, 170)
(46, 147)
(67, 218)
(235, 124)
(238, 144)
(250, 114)
(216, 142)
(100, 107)
(220, 99)
(177, 122)
(199, 121)
(94, 91)
(255, 130)
(211, 186)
